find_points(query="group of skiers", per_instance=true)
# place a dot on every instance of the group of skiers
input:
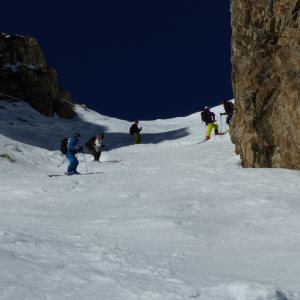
(70, 147)
(95, 144)
(209, 118)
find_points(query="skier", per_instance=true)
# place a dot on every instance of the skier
(72, 151)
(95, 145)
(135, 132)
(209, 118)
(228, 107)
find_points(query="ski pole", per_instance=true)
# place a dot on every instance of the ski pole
(87, 159)
(221, 123)
(85, 163)
(65, 159)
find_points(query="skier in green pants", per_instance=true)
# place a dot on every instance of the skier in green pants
(135, 132)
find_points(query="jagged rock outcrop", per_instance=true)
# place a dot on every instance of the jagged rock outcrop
(24, 74)
(266, 82)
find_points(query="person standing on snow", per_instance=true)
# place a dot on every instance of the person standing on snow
(95, 145)
(228, 107)
(135, 132)
(72, 151)
(208, 117)
(99, 144)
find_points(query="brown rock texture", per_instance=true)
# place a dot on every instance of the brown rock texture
(266, 82)
(24, 74)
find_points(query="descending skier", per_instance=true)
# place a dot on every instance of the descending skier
(228, 107)
(209, 118)
(72, 151)
(135, 132)
(95, 145)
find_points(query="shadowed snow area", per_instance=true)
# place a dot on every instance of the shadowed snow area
(168, 219)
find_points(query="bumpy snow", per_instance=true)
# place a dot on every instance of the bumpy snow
(168, 219)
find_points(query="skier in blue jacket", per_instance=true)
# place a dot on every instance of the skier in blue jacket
(72, 151)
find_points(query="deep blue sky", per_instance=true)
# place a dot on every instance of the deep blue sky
(143, 59)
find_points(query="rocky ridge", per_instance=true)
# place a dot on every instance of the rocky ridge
(266, 82)
(24, 74)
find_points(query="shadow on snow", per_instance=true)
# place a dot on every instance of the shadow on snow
(23, 124)
(115, 140)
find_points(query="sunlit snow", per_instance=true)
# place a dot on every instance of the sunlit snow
(168, 219)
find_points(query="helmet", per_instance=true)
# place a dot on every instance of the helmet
(136, 121)
(206, 107)
(76, 135)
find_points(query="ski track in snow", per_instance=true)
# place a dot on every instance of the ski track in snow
(166, 220)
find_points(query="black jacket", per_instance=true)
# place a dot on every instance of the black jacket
(134, 129)
(228, 106)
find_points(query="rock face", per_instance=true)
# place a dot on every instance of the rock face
(24, 74)
(266, 82)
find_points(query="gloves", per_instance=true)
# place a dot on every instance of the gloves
(102, 146)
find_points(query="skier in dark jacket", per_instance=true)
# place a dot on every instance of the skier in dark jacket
(228, 107)
(72, 151)
(135, 132)
(209, 118)
(95, 145)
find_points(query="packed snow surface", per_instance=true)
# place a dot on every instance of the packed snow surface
(168, 219)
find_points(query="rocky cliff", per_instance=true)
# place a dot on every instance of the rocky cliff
(24, 74)
(266, 82)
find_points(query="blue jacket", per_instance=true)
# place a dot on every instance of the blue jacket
(72, 145)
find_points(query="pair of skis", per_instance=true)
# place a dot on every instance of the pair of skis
(89, 173)
(205, 140)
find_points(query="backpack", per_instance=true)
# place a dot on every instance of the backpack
(90, 144)
(63, 146)
(205, 117)
(131, 130)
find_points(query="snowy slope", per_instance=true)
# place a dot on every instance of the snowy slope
(169, 219)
